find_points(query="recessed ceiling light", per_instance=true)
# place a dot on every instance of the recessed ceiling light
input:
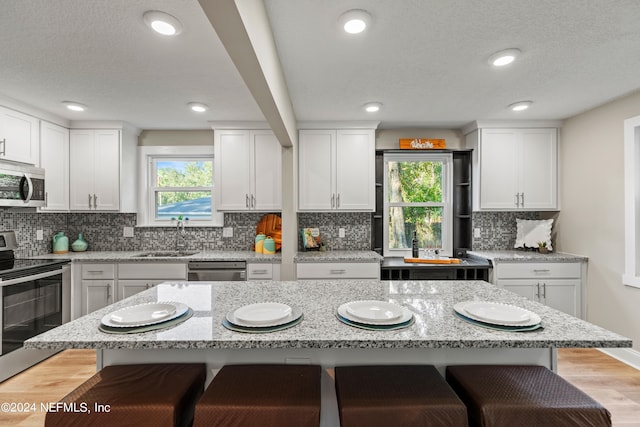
(162, 23)
(372, 107)
(355, 21)
(520, 106)
(74, 106)
(198, 107)
(504, 57)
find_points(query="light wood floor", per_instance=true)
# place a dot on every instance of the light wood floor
(610, 382)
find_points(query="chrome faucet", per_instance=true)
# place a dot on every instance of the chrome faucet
(181, 233)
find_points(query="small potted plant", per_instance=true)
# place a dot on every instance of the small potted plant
(542, 247)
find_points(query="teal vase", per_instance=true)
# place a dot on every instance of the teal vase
(79, 245)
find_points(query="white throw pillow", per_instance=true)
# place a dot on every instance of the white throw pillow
(530, 232)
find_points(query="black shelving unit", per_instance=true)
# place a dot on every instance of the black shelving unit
(462, 207)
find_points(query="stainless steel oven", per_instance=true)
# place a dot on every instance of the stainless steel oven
(34, 298)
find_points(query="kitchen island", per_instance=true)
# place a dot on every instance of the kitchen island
(437, 337)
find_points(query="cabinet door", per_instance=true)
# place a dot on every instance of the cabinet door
(266, 162)
(107, 170)
(232, 186)
(527, 288)
(538, 174)
(127, 288)
(54, 158)
(81, 169)
(20, 133)
(498, 169)
(561, 295)
(96, 294)
(355, 170)
(316, 186)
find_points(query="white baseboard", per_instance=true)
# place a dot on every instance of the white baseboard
(625, 355)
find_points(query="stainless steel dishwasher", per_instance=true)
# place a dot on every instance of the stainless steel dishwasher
(217, 271)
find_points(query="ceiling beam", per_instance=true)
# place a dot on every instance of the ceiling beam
(244, 29)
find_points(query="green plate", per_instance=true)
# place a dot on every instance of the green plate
(369, 327)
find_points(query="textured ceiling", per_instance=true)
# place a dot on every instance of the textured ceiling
(425, 60)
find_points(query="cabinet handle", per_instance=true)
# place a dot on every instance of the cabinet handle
(544, 290)
(95, 201)
(338, 201)
(517, 200)
(260, 271)
(108, 293)
(541, 270)
(538, 290)
(522, 200)
(89, 201)
(333, 201)
(46, 199)
(4, 147)
(337, 271)
(246, 200)
(253, 201)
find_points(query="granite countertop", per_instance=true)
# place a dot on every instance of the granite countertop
(430, 301)
(337, 256)
(528, 256)
(133, 256)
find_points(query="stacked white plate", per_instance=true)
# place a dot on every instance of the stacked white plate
(263, 317)
(144, 314)
(504, 316)
(374, 314)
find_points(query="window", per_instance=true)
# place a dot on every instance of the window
(178, 181)
(418, 190)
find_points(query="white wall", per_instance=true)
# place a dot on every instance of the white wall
(591, 220)
(390, 138)
(176, 137)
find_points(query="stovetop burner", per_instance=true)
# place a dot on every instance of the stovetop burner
(12, 268)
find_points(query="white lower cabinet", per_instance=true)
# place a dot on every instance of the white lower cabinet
(263, 271)
(98, 286)
(105, 283)
(558, 285)
(338, 270)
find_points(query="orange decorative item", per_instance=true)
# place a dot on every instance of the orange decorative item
(271, 225)
(422, 144)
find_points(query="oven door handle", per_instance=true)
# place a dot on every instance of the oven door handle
(33, 277)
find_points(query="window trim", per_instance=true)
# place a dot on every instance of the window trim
(631, 275)
(447, 202)
(146, 203)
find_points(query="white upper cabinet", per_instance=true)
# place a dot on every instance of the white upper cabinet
(247, 170)
(94, 169)
(19, 137)
(336, 170)
(515, 169)
(54, 158)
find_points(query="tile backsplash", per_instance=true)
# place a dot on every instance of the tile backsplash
(498, 229)
(104, 231)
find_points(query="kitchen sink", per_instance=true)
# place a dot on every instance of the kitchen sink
(164, 254)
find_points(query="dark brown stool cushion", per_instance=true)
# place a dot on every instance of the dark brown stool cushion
(261, 395)
(402, 395)
(137, 395)
(523, 396)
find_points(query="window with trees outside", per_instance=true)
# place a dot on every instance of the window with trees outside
(418, 198)
(182, 187)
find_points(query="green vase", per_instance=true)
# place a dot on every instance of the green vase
(79, 245)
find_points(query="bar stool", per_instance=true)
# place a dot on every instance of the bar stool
(505, 395)
(155, 395)
(261, 395)
(398, 395)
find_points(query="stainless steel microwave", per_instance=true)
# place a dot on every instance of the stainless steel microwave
(21, 185)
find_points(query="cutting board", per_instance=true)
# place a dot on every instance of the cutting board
(271, 225)
(433, 261)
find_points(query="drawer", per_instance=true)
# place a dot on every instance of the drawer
(536, 270)
(344, 270)
(98, 271)
(152, 270)
(260, 271)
